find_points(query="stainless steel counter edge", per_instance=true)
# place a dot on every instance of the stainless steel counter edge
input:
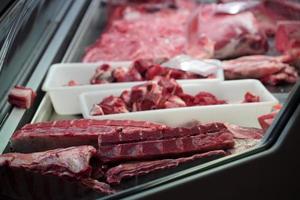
(57, 41)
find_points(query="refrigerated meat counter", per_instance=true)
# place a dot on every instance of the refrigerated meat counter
(37, 34)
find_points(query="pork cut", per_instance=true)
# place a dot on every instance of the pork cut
(116, 174)
(71, 163)
(233, 34)
(21, 97)
(60, 134)
(270, 70)
(166, 147)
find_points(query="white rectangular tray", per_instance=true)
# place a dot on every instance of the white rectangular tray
(65, 98)
(231, 91)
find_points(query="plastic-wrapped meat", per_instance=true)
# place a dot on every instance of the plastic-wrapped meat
(102, 75)
(268, 69)
(71, 164)
(116, 174)
(21, 97)
(166, 147)
(234, 35)
(287, 35)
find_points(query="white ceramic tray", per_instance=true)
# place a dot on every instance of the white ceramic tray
(65, 98)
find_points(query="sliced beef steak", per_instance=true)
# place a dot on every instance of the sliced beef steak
(166, 147)
(116, 174)
(60, 134)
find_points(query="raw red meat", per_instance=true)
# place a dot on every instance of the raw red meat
(102, 75)
(111, 105)
(136, 135)
(116, 174)
(206, 98)
(21, 97)
(128, 27)
(159, 94)
(240, 132)
(265, 121)
(270, 70)
(166, 147)
(249, 98)
(287, 35)
(141, 70)
(234, 35)
(71, 163)
(59, 134)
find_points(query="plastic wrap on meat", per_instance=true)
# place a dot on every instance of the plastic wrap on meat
(268, 69)
(60, 134)
(71, 163)
(166, 147)
(116, 174)
(233, 35)
(287, 36)
(21, 97)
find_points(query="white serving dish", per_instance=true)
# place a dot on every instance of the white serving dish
(65, 98)
(231, 91)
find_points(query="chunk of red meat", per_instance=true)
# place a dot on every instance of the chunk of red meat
(21, 97)
(170, 86)
(249, 98)
(112, 105)
(102, 75)
(206, 98)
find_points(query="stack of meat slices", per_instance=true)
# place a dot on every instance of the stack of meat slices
(100, 154)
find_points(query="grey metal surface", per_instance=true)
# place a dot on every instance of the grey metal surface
(57, 42)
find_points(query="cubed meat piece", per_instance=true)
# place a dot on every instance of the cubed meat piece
(102, 75)
(21, 97)
(113, 105)
(249, 98)
(287, 35)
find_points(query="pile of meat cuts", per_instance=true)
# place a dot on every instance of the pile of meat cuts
(141, 70)
(98, 155)
(224, 31)
(159, 94)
